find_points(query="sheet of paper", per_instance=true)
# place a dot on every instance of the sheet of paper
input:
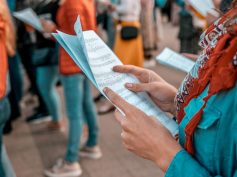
(170, 58)
(101, 60)
(29, 17)
(202, 6)
(96, 60)
(72, 46)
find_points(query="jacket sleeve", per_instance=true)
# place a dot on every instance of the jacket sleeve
(183, 165)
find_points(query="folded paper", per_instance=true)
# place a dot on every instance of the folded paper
(96, 60)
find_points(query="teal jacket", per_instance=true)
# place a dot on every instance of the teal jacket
(215, 139)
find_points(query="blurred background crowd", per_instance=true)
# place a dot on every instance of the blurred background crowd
(37, 66)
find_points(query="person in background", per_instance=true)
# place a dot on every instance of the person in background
(45, 59)
(128, 44)
(128, 35)
(147, 27)
(77, 92)
(7, 48)
(25, 44)
(188, 33)
(16, 82)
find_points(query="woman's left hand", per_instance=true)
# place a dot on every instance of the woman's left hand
(144, 135)
(48, 25)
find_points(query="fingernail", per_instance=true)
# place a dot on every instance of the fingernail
(129, 85)
(105, 90)
(114, 68)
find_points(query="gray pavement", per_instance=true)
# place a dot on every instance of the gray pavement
(32, 149)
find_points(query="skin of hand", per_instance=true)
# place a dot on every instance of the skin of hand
(29, 28)
(143, 135)
(111, 8)
(193, 57)
(48, 25)
(211, 18)
(161, 92)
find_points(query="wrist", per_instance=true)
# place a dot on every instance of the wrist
(172, 106)
(165, 159)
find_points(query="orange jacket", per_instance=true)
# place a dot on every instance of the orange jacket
(66, 17)
(3, 59)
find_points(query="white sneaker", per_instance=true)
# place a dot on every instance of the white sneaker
(91, 152)
(64, 169)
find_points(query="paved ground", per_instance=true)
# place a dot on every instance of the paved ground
(32, 149)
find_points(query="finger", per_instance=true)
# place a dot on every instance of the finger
(142, 87)
(190, 56)
(129, 69)
(118, 101)
(125, 138)
(119, 116)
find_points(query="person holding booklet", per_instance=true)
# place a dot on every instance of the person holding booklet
(205, 108)
(78, 97)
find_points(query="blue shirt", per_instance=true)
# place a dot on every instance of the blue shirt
(215, 138)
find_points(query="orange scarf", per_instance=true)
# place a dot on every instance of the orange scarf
(3, 59)
(218, 70)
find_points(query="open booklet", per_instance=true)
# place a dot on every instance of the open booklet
(29, 17)
(203, 7)
(171, 58)
(96, 60)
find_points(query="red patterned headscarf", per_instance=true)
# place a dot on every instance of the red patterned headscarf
(218, 70)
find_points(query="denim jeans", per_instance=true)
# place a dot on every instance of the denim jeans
(79, 106)
(4, 115)
(47, 77)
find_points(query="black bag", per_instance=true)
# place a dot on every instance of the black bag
(45, 57)
(129, 32)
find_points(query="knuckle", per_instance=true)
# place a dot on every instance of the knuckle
(125, 126)
(123, 136)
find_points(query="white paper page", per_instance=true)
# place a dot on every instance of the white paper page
(72, 46)
(101, 61)
(29, 17)
(202, 6)
(170, 58)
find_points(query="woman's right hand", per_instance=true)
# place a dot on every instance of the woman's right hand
(161, 92)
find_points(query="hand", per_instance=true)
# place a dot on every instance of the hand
(190, 56)
(144, 135)
(111, 8)
(29, 28)
(48, 26)
(161, 92)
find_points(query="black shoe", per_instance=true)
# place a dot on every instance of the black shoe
(38, 117)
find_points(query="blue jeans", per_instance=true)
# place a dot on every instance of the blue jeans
(79, 106)
(47, 76)
(4, 115)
